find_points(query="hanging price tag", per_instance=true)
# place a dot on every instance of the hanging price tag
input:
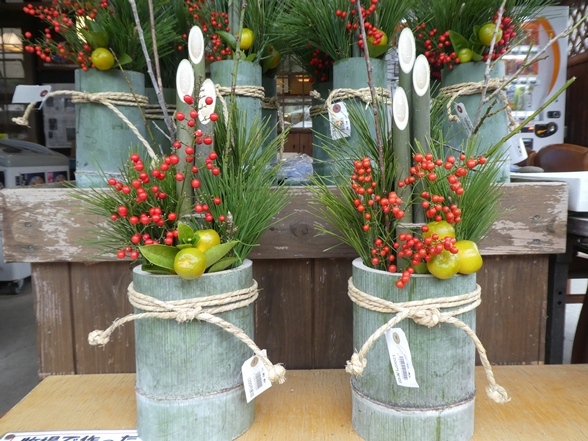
(400, 358)
(339, 119)
(255, 377)
(463, 116)
(24, 94)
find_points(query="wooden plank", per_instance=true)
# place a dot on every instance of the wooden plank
(333, 314)
(511, 318)
(283, 311)
(54, 317)
(48, 225)
(99, 296)
(547, 403)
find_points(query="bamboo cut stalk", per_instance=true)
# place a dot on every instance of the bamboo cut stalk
(421, 119)
(401, 137)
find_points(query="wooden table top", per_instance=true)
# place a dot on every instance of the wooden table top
(548, 402)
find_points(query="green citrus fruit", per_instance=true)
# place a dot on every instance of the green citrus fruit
(246, 38)
(208, 239)
(444, 265)
(442, 228)
(274, 59)
(465, 55)
(189, 263)
(102, 58)
(470, 259)
(486, 32)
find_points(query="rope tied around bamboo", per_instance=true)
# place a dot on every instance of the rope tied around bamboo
(471, 88)
(429, 313)
(202, 309)
(108, 99)
(364, 94)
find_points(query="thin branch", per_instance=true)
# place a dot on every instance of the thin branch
(489, 65)
(373, 93)
(168, 121)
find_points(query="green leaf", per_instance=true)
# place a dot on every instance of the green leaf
(216, 253)
(458, 41)
(160, 255)
(251, 57)
(89, 37)
(124, 58)
(222, 264)
(184, 245)
(154, 269)
(185, 233)
(477, 57)
(377, 51)
(228, 38)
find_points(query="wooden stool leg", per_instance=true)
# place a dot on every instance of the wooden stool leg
(580, 346)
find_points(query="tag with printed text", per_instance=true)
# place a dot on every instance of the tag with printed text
(339, 119)
(255, 377)
(400, 358)
(463, 116)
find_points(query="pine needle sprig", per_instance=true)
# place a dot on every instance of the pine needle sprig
(246, 184)
(314, 23)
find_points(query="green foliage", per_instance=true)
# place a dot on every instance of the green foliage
(337, 208)
(250, 200)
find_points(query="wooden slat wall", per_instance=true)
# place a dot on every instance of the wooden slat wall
(303, 315)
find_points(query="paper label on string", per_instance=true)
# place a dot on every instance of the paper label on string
(401, 358)
(24, 94)
(463, 116)
(255, 377)
(339, 119)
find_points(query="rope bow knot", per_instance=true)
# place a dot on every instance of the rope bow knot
(427, 313)
(201, 308)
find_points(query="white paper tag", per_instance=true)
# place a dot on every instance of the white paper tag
(464, 117)
(400, 358)
(255, 377)
(30, 94)
(339, 118)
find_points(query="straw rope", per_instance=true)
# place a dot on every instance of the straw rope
(363, 94)
(429, 313)
(203, 309)
(108, 99)
(472, 88)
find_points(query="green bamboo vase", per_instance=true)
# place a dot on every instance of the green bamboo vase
(248, 74)
(351, 73)
(103, 140)
(189, 384)
(442, 408)
(493, 128)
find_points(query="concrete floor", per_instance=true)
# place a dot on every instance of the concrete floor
(18, 356)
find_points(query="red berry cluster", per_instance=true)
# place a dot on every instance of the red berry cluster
(145, 202)
(211, 22)
(436, 45)
(322, 65)
(61, 18)
(373, 34)
(432, 170)
(367, 202)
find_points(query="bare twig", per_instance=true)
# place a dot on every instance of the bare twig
(373, 93)
(168, 121)
(489, 65)
(538, 56)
